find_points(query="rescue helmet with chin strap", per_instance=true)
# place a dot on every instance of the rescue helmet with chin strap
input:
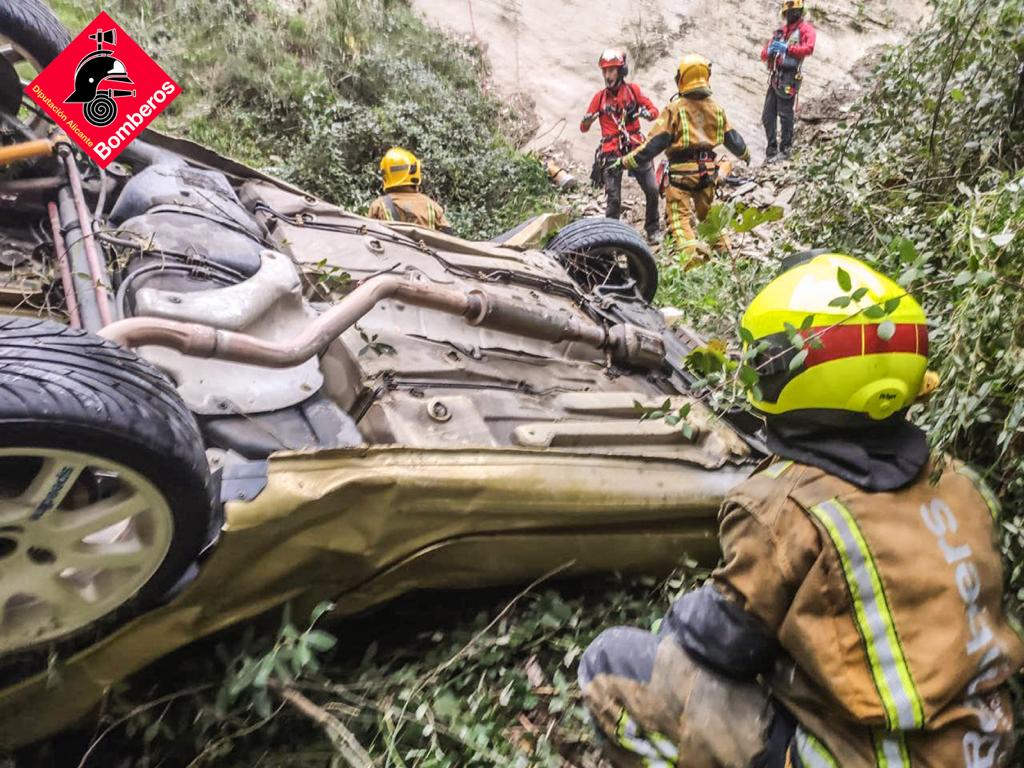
(693, 72)
(864, 349)
(400, 168)
(614, 57)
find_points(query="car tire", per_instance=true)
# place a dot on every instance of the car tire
(590, 249)
(32, 26)
(37, 36)
(105, 491)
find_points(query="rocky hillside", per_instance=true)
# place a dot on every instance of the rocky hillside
(546, 53)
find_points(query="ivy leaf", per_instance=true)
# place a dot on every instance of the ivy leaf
(807, 323)
(263, 669)
(886, 330)
(319, 640)
(843, 278)
(891, 305)
(750, 217)
(322, 608)
(261, 703)
(748, 376)
(874, 312)
(841, 301)
(909, 276)
(746, 336)
(859, 294)
(906, 249)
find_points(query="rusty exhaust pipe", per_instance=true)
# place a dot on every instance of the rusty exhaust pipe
(61, 256)
(97, 269)
(477, 307)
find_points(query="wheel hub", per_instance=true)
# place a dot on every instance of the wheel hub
(79, 536)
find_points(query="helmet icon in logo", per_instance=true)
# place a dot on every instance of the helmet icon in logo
(100, 68)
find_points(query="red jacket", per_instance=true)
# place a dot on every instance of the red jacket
(620, 107)
(799, 50)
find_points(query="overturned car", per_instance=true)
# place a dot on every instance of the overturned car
(219, 393)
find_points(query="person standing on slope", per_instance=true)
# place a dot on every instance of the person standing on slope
(784, 54)
(688, 130)
(619, 107)
(402, 200)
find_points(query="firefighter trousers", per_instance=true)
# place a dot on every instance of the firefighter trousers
(778, 109)
(684, 208)
(653, 705)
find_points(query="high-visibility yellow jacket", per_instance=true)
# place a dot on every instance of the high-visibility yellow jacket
(688, 127)
(410, 206)
(888, 607)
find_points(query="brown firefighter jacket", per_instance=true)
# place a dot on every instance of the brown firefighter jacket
(883, 613)
(688, 130)
(409, 205)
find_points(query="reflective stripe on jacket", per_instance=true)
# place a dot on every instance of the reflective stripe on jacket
(409, 206)
(688, 126)
(889, 607)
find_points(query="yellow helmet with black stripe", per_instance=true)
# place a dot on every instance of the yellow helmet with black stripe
(792, 5)
(863, 350)
(400, 168)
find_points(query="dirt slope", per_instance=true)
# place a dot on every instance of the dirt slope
(547, 49)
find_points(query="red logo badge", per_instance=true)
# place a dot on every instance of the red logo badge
(102, 90)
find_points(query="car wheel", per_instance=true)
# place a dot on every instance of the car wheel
(105, 493)
(606, 252)
(30, 38)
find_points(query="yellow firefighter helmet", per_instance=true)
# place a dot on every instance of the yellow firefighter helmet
(694, 72)
(792, 5)
(400, 167)
(866, 353)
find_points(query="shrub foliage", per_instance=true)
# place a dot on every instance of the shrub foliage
(316, 91)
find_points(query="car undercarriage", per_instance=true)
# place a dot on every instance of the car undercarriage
(219, 394)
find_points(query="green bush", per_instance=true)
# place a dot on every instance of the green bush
(927, 183)
(318, 95)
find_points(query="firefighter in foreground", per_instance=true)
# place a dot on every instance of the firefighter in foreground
(402, 200)
(784, 54)
(619, 106)
(857, 617)
(688, 130)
